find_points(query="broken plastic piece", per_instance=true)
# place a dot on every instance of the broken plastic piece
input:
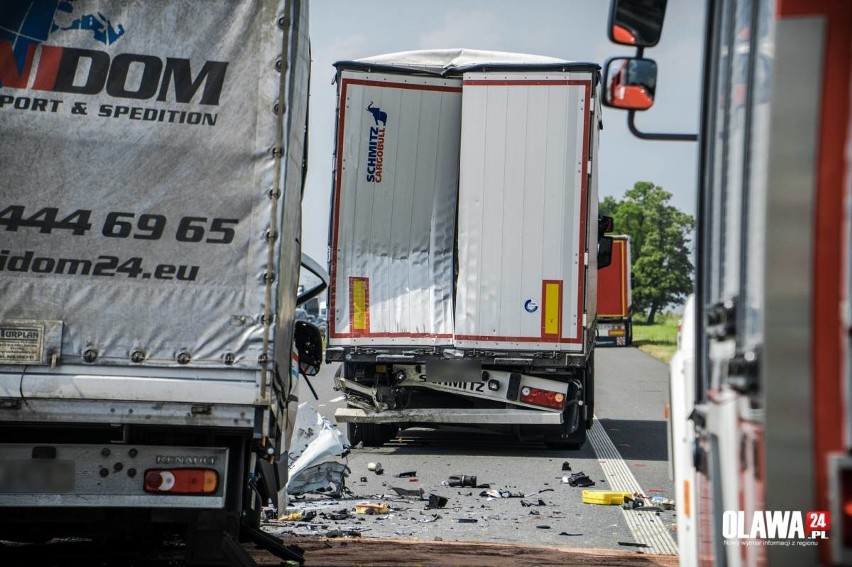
(408, 492)
(566, 466)
(436, 501)
(580, 479)
(406, 474)
(468, 520)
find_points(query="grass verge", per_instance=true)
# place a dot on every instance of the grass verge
(660, 339)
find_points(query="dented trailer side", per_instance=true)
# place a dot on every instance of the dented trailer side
(465, 202)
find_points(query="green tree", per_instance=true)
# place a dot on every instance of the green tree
(659, 245)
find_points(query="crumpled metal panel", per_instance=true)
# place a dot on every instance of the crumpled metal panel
(394, 210)
(523, 201)
(136, 143)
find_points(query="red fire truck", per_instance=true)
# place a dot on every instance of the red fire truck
(761, 385)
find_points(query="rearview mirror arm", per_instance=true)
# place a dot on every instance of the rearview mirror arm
(656, 135)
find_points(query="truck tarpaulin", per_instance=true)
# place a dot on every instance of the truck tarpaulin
(137, 191)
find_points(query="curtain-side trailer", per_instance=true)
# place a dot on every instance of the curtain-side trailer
(463, 243)
(150, 212)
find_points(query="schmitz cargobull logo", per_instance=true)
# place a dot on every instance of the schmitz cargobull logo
(28, 61)
(376, 143)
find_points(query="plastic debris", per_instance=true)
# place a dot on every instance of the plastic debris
(430, 519)
(543, 527)
(436, 501)
(579, 479)
(467, 520)
(566, 466)
(605, 497)
(375, 467)
(408, 492)
(370, 508)
(497, 493)
(631, 544)
(567, 534)
(406, 474)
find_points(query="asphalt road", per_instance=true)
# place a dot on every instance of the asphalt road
(628, 451)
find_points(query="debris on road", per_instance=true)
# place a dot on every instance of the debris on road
(497, 493)
(370, 508)
(315, 444)
(605, 497)
(566, 466)
(299, 516)
(408, 492)
(638, 501)
(407, 474)
(468, 520)
(631, 544)
(430, 519)
(375, 467)
(436, 501)
(461, 480)
(578, 479)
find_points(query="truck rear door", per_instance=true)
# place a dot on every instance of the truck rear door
(523, 200)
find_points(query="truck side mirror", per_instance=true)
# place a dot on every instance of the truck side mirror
(630, 83)
(605, 224)
(308, 339)
(604, 251)
(638, 23)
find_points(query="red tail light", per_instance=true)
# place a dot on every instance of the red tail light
(181, 481)
(546, 398)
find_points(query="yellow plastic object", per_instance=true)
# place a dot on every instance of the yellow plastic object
(604, 497)
(368, 508)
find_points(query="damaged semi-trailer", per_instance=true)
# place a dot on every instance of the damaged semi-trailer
(149, 268)
(464, 243)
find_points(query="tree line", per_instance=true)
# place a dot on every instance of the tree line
(659, 246)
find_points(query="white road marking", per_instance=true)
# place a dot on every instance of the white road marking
(646, 527)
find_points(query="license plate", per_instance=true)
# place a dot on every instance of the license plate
(38, 476)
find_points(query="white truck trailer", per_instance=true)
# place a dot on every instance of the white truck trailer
(150, 211)
(463, 243)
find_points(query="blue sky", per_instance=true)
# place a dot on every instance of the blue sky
(568, 29)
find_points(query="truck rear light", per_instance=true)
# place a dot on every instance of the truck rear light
(546, 398)
(181, 481)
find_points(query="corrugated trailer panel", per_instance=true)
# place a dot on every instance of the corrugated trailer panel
(396, 182)
(522, 210)
(613, 287)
